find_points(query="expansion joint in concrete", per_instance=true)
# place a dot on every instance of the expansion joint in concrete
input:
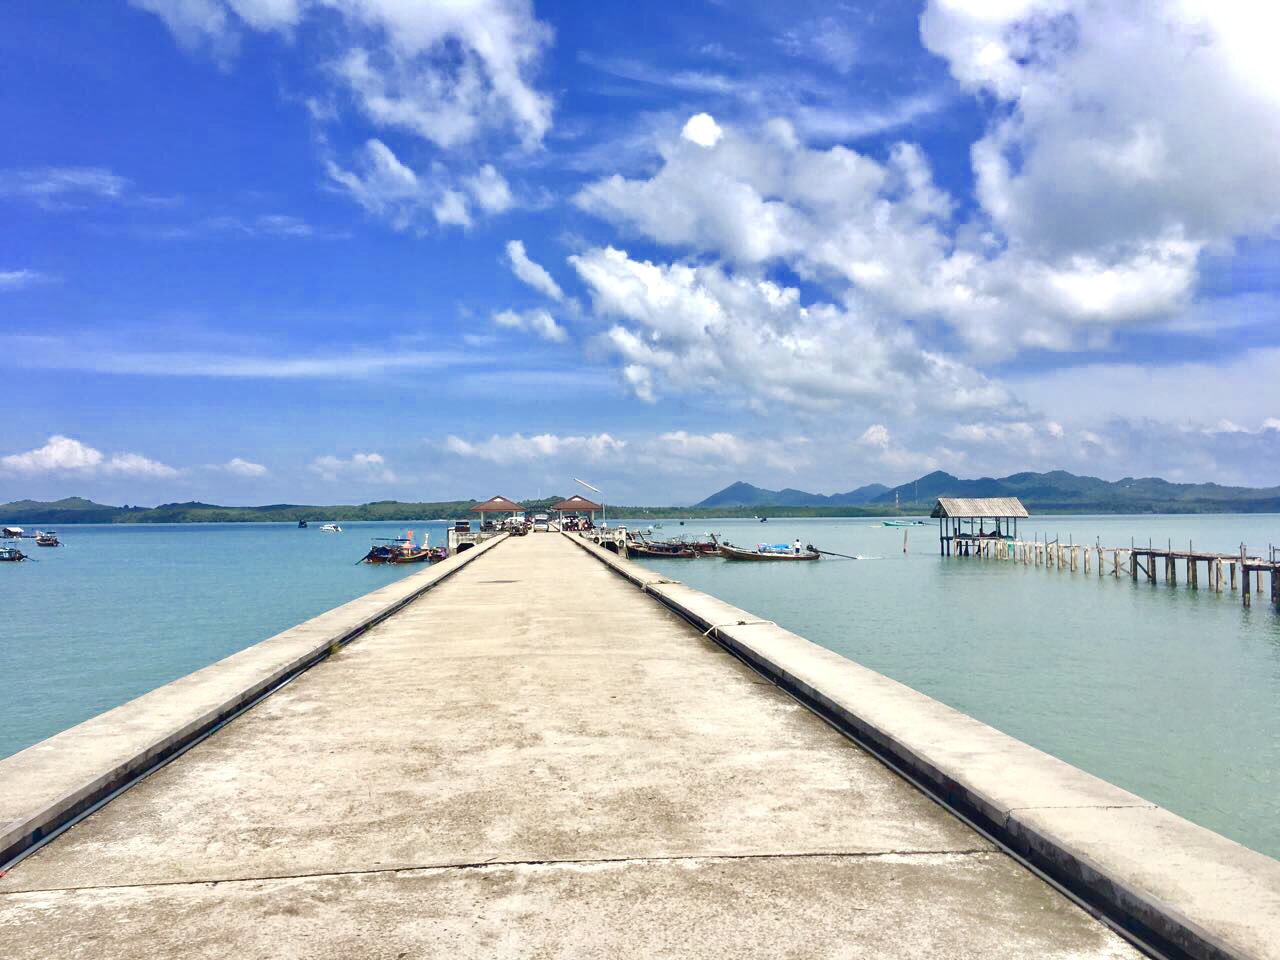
(495, 864)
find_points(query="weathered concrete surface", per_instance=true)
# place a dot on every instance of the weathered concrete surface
(1198, 890)
(534, 759)
(47, 784)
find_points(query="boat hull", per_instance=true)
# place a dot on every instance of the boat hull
(735, 553)
(683, 554)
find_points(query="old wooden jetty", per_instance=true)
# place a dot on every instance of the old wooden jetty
(963, 532)
(538, 749)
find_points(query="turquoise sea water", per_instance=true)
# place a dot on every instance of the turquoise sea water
(121, 609)
(1171, 693)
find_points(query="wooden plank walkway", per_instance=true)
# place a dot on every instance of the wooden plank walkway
(532, 760)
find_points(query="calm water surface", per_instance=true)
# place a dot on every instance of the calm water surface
(121, 609)
(1170, 693)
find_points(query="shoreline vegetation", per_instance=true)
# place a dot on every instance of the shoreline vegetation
(1044, 493)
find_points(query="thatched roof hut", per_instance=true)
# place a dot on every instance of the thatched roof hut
(973, 508)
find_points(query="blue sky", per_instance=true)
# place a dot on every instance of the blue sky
(342, 250)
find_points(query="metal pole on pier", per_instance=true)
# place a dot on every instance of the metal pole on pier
(604, 521)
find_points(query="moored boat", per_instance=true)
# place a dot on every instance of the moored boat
(767, 551)
(902, 523)
(403, 550)
(666, 551)
(11, 554)
(331, 528)
(47, 538)
(302, 523)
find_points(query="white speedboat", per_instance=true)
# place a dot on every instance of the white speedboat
(331, 528)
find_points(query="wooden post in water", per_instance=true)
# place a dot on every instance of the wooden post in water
(1193, 580)
(1244, 574)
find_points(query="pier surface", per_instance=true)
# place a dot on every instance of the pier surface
(532, 759)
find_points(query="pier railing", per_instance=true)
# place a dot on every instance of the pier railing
(1239, 571)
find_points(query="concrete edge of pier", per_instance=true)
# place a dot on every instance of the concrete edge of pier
(1183, 889)
(50, 784)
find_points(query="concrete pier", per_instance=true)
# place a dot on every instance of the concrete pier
(533, 759)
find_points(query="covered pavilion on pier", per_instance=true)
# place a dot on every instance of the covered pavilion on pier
(578, 505)
(963, 521)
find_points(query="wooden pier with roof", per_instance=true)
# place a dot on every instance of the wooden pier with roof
(954, 513)
(962, 532)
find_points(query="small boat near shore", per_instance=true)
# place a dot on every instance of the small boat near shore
(661, 550)
(11, 554)
(768, 551)
(47, 538)
(331, 528)
(902, 523)
(403, 550)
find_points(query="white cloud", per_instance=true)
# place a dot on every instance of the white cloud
(62, 187)
(1101, 223)
(405, 198)
(1127, 121)
(62, 453)
(450, 209)
(893, 455)
(699, 328)
(703, 130)
(245, 468)
(443, 71)
(370, 467)
(538, 322)
(1205, 388)
(531, 273)
(384, 186)
(136, 465)
(715, 451)
(337, 362)
(876, 435)
(828, 40)
(517, 448)
(59, 453)
(17, 279)
(195, 23)
(489, 189)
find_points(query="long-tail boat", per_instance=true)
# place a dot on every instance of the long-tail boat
(659, 549)
(767, 551)
(47, 538)
(11, 554)
(402, 550)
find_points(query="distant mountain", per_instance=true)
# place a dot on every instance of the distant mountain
(745, 495)
(1055, 490)
(78, 510)
(862, 495)
(68, 510)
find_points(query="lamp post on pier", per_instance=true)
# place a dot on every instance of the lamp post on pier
(603, 520)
